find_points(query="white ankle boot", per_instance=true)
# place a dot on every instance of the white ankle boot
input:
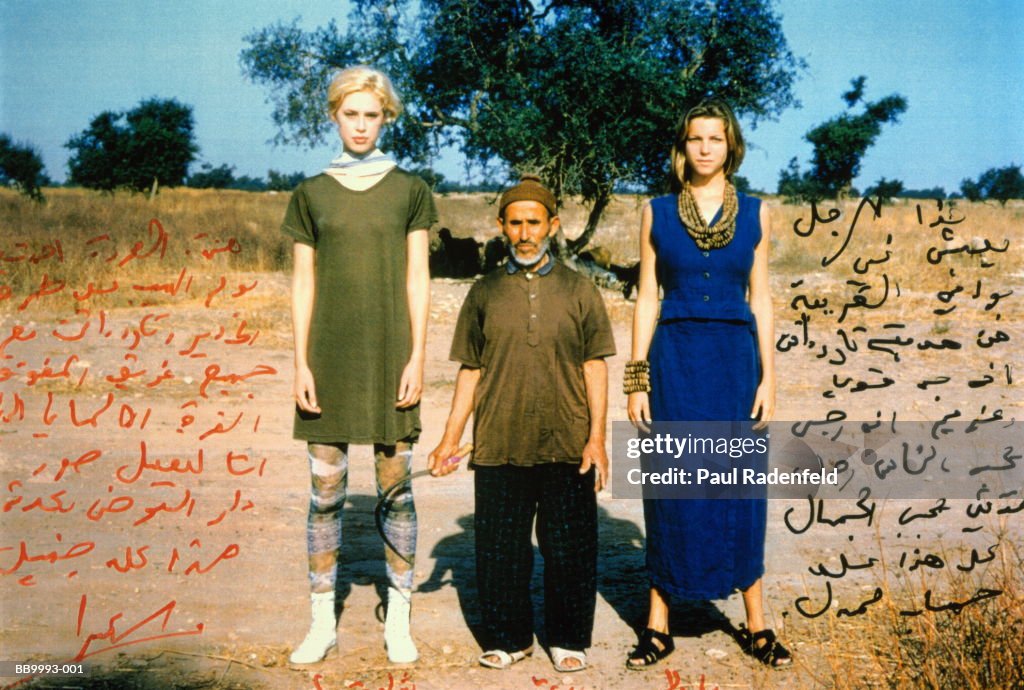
(401, 648)
(323, 631)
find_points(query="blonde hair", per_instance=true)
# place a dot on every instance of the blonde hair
(363, 78)
(720, 110)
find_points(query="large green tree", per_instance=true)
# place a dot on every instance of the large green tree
(839, 145)
(21, 166)
(1001, 184)
(150, 145)
(586, 93)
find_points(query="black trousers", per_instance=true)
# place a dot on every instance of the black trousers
(565, 505)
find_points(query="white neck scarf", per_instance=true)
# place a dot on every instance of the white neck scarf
(348, 166)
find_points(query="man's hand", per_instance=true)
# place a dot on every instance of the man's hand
(305, 390)
(594, 455)
(446, 457)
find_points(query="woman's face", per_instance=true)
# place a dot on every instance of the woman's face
(359, 117)
(707, 148)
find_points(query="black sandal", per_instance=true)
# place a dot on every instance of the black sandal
(649, 653)
(771, 653)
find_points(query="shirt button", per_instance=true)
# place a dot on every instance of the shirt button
(529, 276)
(533, 316)
(706, 274)
(707, 298)
(706, 253)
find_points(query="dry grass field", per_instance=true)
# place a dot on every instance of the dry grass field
(191, 290)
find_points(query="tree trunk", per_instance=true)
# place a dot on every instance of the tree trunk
(601, 202)
(154, 188)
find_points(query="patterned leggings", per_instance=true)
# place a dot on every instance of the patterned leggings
(328, 464)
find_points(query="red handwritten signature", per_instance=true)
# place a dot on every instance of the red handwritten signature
(119, 634)
(119, 638)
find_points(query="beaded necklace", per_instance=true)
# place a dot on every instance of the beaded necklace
(706, 237)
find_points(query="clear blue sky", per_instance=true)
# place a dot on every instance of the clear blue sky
(959, 64)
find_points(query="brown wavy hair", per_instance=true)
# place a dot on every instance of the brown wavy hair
(709, 107)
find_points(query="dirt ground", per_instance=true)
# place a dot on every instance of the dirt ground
(231, 619)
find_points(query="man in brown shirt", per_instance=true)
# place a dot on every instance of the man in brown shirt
(532, 337)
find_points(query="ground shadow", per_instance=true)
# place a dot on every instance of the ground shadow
(455, 565)
(622, 582)
(362, 553)
(621, 573)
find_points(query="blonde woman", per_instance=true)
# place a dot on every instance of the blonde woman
(360, 300)
(706, 356)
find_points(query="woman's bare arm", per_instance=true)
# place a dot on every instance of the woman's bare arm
(417, 287)
(761, 305)
(303, 289)
(645, 315)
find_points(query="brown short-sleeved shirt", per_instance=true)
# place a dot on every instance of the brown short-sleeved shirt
(359, 336)
(530, 334)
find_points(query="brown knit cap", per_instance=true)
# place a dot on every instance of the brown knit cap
(530, 188)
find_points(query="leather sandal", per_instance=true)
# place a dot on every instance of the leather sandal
(560, 655)
(505, 659)
(646, 652)
(770, 653)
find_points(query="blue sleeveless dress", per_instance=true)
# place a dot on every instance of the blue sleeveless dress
(704, 366)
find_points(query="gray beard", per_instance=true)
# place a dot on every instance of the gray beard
(527, 263)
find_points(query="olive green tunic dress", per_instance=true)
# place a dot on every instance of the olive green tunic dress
(360, 336)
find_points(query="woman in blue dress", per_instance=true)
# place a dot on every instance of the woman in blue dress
(706, 356)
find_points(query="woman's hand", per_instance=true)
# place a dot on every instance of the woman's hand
(411, 385)
(639, 410)
(305, 390)
(764, 404)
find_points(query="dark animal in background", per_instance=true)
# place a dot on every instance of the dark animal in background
(597, 263)
(629, 276)
(495, 252)
(456, 257)
(599, 255)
